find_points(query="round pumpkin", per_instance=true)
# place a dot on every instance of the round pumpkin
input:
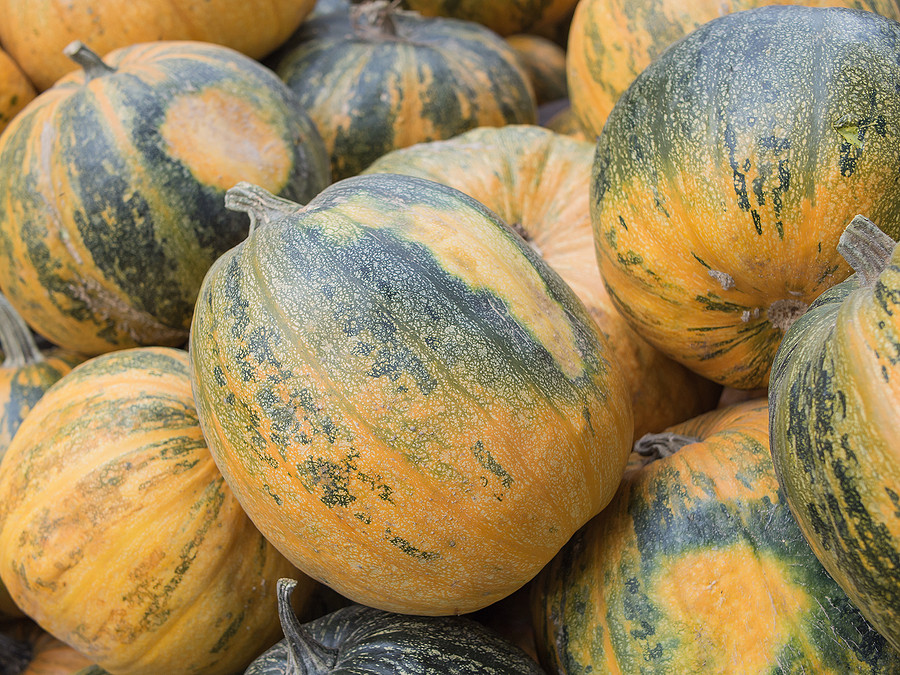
(835, 426)
(374, 79)
(544, 62)
(16, 89)
(539, 182)
(698, 566)
(611, 41)
(501, 16)
(118, 534)
(27, 649)
(724, 177)
(408, 402)
(359, 639)
(36, 32)
(116, 207)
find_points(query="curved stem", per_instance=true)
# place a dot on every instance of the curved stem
(652, 447)
(866, 248)
(373, 19)
(16, 339)
(14, 655)
(258, 203)
(88, 59)
(308, 656)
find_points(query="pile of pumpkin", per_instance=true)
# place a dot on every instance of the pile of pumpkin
(311, 331)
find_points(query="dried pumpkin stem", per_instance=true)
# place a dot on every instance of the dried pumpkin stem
(783, 313)
(373, 19)
(16, 340)
(88, 59)
(307, 656)
(258, 203)
(866, 248)
(14, 655)
(652, 447)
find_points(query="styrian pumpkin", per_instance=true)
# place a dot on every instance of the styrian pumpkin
(544, 62)
(539, 183)
(16, 89)
(118, 534)
(724, 177)
(612, 41)
(408, 402)
(374, 79)
(501, 16)
(359, 639)
(35, 32)
(835, 426)
(112, 198)
(698, 566)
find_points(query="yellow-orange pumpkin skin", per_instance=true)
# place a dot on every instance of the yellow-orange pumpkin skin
(36, 32)
(611, 41)
(407, 400)
(698, 566)
(16, 89)
(118, 534)
(723, 179)
(539, 182)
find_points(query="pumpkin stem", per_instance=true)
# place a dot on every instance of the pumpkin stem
(88, 59)
(258, 203)
(16, 339)
(866, 248)
(664, 444)
(307, 655)
(14, 655)
(374, 19)
(783, 313)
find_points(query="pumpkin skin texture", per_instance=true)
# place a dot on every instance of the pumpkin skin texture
(835, 423)
(544, 62)
(16, 90)
(408, 402)
(35, 32)
(539, 182)
(116, 527)
(698, 566)
(118, 209)
(374, 80)
(717, 202)
(611, 41)
(360, 640)
(501, 16)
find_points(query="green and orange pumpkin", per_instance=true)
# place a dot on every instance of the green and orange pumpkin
(505, 17)
(835, 426)
(408, 402)
(118, 534)
(724, 177)
(698, 566)
(115, 209)
(16, 90)
(374, 79)
(538, 182)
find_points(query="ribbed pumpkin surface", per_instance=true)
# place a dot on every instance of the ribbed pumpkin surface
(612, 41)
(15, 89)
(539, 182)
(37, 31)
(391, 79)
(407, 401)
(116, 208)
(723, 179)
(698, 566)
(501, 16)
(118, 534)
(835, 423)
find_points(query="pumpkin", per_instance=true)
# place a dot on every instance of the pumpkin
(35, 32)
(723, 179)
(544, 62)
(501, 16)
(563, 121)
(835, 424)
(361, 639)
(374, 80)
(408, 402)
(16, 89)
(698, 566)
(27, 649)
(539, 182)
(611, 41)
(116, 207)
(117, 530)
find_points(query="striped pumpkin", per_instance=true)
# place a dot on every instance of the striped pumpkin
(698, 566)
(539, 182)
(407, 401)
(724, 177)
(835, 426)
(116, 208)
(612, 41)
(16, 89)
(501, 16)
(37, 31)
(374, 80)
(118, 534)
